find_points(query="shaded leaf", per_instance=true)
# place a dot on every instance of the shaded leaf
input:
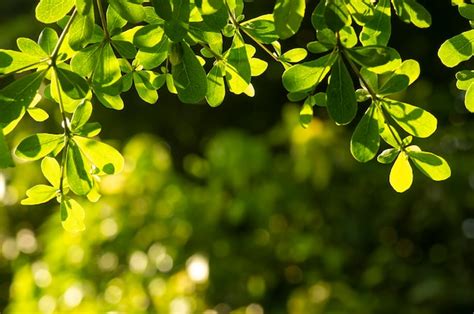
(341, 99)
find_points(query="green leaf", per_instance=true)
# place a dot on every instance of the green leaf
(308, 75)
(109, 101)
(72, 83)
(215, 87)
(401, 175)
(294, 55)
(388, 156)
(81, 115)
(209, 7)
(457, 49)
(336, 15)
(39, 194)
(261, 28)
(467, 11)
(318, 47)
(365, 141)
(72, 216)
(107, 68)
(288, 15)
(317, 18)
(257, 66)
(85, 61)
(132, 12)
(412, 119)
(410, 11)
(149, 36)
(390, 135)
(106, 158)
(90, 129)
(188, 75)
(82, 29)
(176, 14)
(238, 70)
(5, 156)
(51, 170)
(144, 87)
(38, 114)
(30, 47)
(15, 61)
(431, 165)
(152, 58)
(78, 170)
(48, 40)
(464, 79)
(405, 75)
(50, 11)
(370, 56)
(38, 145)
(306, 114)
(341, 99)
(469, 101)
(378, 30)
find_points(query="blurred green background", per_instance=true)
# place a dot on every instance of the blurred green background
(239, 210)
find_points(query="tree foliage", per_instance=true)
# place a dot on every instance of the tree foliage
(93, 51)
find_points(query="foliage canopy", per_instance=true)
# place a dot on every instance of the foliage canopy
(201, 50)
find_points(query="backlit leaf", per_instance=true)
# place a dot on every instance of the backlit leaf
(38, 145)
(72, 216)
(401, 175)
(106, 158)
(365, 141)
(288, 15)
(412, 119)
(457, 49)
(341, 99)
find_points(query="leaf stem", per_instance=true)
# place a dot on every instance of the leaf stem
(372, 93)
(261, 45)
(55, 53)
(103, 19)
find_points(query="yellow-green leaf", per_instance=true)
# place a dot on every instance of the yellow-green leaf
(401, 175)
(72, 216)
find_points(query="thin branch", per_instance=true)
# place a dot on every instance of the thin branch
(103, 19)
(55, 53)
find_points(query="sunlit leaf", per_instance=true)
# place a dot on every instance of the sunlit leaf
(50, 11)
(412, 119)
(457, 49)
(238, 71)
(5, 155)
(401, 175)
(337, 15)
(378, 29)
(288, 15)
(106, 158)
(38, 145)
(72, 216)
(39, 194)
(215, 87)
(431, 165)
(51, 170)
(365, 141)
(78, 170)
(308, 75)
